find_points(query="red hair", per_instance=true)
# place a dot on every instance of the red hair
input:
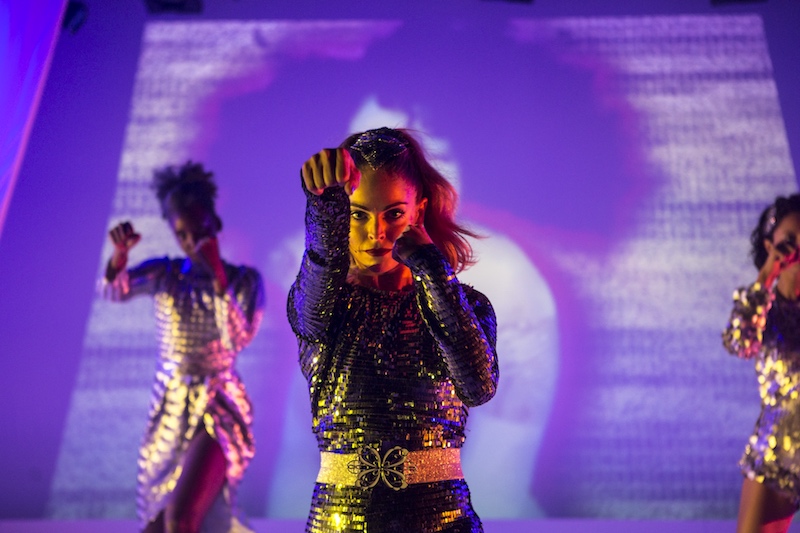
(412, 165)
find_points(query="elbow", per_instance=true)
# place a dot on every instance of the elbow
(482, 392)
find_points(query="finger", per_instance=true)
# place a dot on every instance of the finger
(117, 235)
(132, 240)
(328, 164)
(342, 169)
(311, 175)
(353, 174)
(308, 179)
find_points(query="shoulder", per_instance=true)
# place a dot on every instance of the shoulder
(243, 272)
(476, 298)
(157, 265)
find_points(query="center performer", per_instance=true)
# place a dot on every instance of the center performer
(394, 348)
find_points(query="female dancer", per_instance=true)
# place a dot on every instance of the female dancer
(394, 348)
(198, 440)
(765, 325)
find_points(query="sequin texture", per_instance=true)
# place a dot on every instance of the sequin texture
(388, 369)
(196, 385)
(766, 326)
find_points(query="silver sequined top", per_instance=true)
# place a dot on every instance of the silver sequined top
(765, 326)
(387, 369)
(200, 334)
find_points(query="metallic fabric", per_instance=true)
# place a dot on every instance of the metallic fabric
(388, 369)
(397, 468)
(766, 326)
(196, 386)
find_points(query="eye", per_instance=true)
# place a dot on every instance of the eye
(395, 214)
(358, 215)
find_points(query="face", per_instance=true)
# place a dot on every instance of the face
(786, 238)
(191, 227)
(380, 209)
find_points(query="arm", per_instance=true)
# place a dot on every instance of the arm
(142, 279)
(325, 263)
(463, 323)
(328, 177)
(119, 284)
(239, 309)
(744, 334)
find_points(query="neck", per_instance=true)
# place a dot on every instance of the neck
(394, 280)
(789, 287)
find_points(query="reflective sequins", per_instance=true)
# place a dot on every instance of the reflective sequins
(766, 326)
(387, 369)
(196, 384)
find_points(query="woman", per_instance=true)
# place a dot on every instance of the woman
(199, 437)
(765, 326)
(394, 348)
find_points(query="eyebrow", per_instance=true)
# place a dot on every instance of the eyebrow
(352, 204)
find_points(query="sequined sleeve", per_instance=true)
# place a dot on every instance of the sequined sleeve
(325, 263)
(463, 323)
(239, 311)
(144, 278)
(744, 334)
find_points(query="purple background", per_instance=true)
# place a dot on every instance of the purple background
(558, 150)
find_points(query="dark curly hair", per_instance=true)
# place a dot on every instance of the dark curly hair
(770, 217)
(412, 164)
(181, 188)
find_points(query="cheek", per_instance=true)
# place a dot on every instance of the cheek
(394, 232)
(356, 235)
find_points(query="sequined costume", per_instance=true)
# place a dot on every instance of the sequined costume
(196, 384)
(388, 369)
(766, 326)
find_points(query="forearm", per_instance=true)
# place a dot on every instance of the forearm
(123, 284)
(116, 264)
(744, 334)
(325, 263)
(465, 329)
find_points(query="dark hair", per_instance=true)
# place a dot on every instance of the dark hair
(770, 217)
(181, 188)
(398, 153)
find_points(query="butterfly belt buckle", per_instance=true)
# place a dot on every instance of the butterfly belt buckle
(371, 467)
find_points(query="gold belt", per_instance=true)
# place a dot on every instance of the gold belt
(397, 468)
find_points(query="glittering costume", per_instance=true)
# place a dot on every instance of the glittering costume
(196, 384)
(390, 376)
(766, 326)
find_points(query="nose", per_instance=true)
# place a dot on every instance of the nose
(377, 229)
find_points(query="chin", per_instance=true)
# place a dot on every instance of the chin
(378, 268)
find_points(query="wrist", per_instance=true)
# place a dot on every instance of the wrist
(114, 267)
(118, 261)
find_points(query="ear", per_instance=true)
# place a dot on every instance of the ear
(420, 219)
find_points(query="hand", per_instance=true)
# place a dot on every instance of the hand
(207, 252)
(412, 238)
(781, 256)
(330, 168)
(124, 238)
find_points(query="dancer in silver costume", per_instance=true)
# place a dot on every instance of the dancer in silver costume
(394, 348)
(199, 439)
(765, 326)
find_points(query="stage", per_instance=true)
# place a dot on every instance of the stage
(492, 526)
(615, 156)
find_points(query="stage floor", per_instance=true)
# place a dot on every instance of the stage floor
(491, 526)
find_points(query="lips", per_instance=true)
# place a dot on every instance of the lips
(378, 252)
